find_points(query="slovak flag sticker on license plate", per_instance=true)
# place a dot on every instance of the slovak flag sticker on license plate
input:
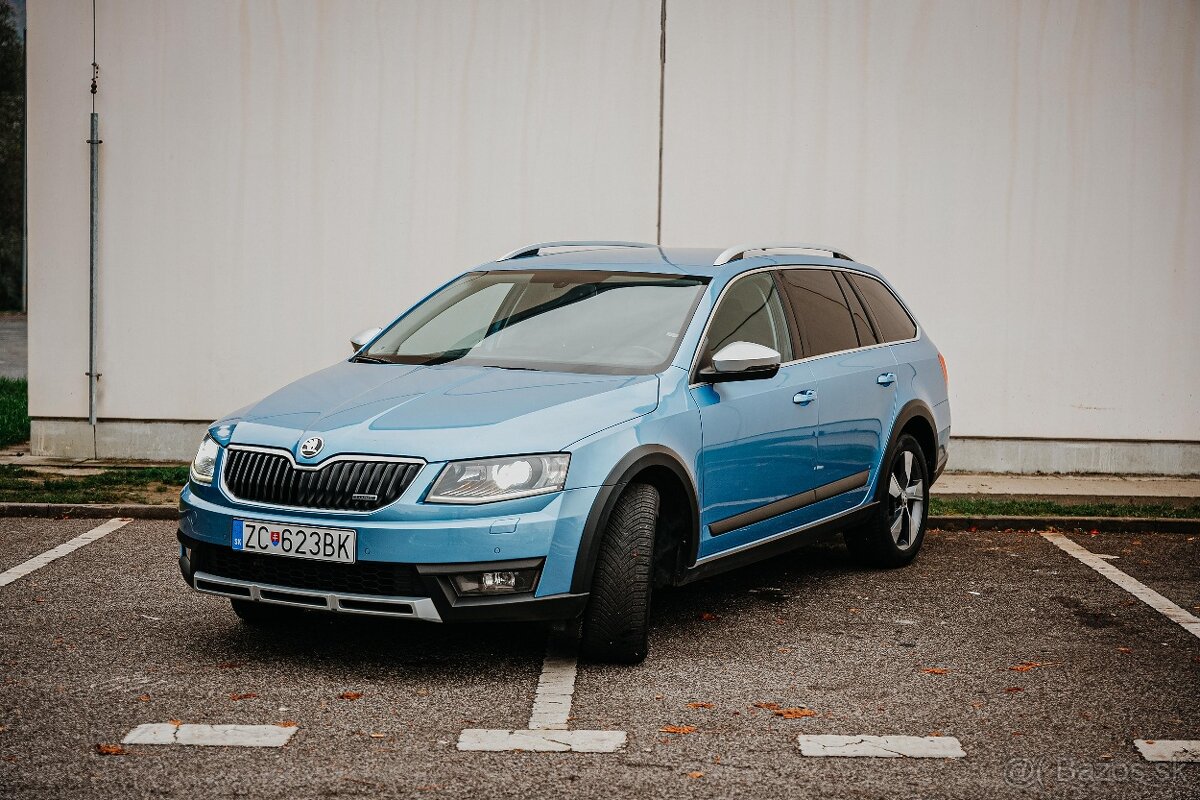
(297, 541)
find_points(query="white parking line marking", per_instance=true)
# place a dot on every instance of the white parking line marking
(880, 747)
(547, 731)
(1169, 749)
(37, 562)
(210, 735)
(552, 703)
(542, 741)
(1139, 590)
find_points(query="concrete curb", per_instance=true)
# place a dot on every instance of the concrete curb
(946, 523)
(1101, 524)
(89, 510)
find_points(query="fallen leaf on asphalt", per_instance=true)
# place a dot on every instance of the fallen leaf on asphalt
(1124, 649)
(935, 670)
(378, 735)
(350, 695)
(242, 695)
(795, 713)
(110, 750)
(854, 610)
(287, 723)
(145, 698)
(935, 734)
(780, 621)
(784, 650)
(696, 774)
(677, 729)
(699, 705)
(708, 616)
(1025, 666)
(1013, 689)
(768, 706)
(175, 722)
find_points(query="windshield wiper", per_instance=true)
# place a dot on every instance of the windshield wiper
(363, 359)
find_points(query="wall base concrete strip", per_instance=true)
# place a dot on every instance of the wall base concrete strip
(880, 747)
(546, 741)
(1169, 749)
(210, 735)
(1067, 456)
(143, 440)
(89, 511)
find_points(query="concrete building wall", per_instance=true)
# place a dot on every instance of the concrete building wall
(278, 175)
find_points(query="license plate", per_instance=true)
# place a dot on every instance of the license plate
(297, 541)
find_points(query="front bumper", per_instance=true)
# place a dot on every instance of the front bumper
(429, 543)
(431, 598)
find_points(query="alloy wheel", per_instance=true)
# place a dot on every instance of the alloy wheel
(907, 492)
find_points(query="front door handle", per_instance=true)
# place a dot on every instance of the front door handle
(805, 397)
(886, 379)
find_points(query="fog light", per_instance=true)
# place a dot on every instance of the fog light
(509, 581)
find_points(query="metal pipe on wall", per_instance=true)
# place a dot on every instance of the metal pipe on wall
(93, 376)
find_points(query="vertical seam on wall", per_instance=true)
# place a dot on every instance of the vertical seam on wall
(662, 78)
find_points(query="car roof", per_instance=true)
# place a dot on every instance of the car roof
(696, 261)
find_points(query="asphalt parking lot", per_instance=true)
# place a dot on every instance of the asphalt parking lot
(1044, 670)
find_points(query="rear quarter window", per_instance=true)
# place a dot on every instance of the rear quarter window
(894, 323)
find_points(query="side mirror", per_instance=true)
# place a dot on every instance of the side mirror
(742, 361)
(357, 342)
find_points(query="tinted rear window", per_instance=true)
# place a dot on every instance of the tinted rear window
(862, 322)
(821, 311)
(894, 323)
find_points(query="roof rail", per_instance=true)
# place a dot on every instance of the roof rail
(536, 249)
(734, 253)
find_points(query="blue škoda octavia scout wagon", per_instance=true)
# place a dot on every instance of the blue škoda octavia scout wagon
(552, 435)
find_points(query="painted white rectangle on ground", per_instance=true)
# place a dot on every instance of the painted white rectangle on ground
(1169, 749)
(550, 741)
(556, 686)
(211, 735)
(828, 746)
(37, 562)
(1162, 605)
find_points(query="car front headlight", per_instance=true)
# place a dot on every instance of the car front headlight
(205, 462)
(488, 480)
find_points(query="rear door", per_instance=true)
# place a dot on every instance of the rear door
(759, 446)
(855, 381)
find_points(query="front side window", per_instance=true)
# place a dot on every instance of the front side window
(561, 320)
(750, 311)
(895, 325)
(826, 325)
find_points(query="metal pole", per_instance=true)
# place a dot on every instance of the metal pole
(94, 144)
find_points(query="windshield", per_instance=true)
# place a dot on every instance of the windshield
(566, 320)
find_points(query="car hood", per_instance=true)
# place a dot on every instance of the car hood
(443, 412)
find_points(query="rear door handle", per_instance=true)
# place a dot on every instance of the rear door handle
(886, 379)
(805, 397)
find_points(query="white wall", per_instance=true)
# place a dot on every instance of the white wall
(278, 175)
(1028, 174)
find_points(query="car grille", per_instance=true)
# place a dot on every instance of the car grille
(365, 577)
(342, 485)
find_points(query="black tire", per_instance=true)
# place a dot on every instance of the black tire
(616, 622)
(893, 534)
(263, 615)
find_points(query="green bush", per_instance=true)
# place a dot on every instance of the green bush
(14, 411)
